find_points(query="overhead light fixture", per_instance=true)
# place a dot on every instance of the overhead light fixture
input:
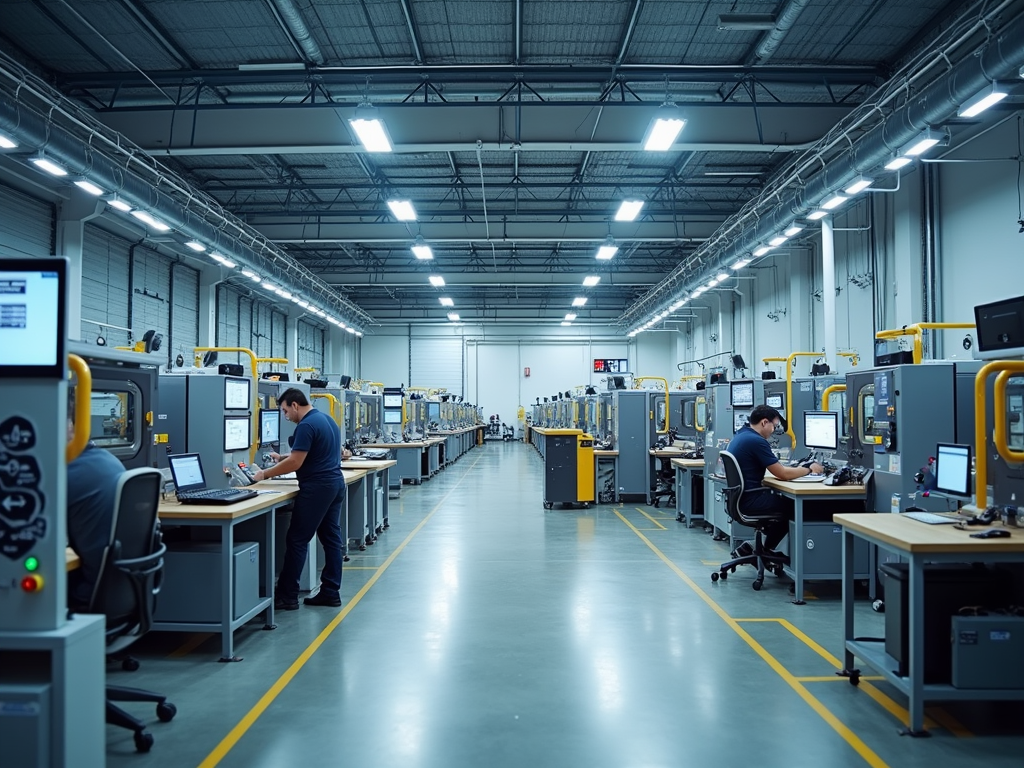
(272, 287)
(629, 210)
(740, 264)
(119, 204)
(195, 245)
(608, 249)
(591, 280)
(922, 143)
(353, 330)
(813, 216)
(898, 162)
(446, 302)
(87, 186)
(253, 276)
(304, 304)
(710, 284)
(859, 185)
(223, 260)
(147, 218)
(775, 242)
(664, 128)
(795, 229)
(834, 202)
(722, 276)
(746, 21)
(287, 295)
(402, 210)
(579, 301)
(762, 250)
(296, 299)
(421, 250)
(6, 142)
(566, 322)
(983, 100)
(46, 164)
(570, 316)
(370, 129)
(436, 280)
(453, 316)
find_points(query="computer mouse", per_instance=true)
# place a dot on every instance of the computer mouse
(991, 533)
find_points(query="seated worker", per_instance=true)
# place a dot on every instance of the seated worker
(754, 455)
(92, 488)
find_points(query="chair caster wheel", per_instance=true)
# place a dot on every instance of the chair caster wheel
(715, 576)
(724, 575)
(130, 664)
(143, 741)
(548, 504)
(362, 547)
(757, 585)
(855, 677)
(166, 711)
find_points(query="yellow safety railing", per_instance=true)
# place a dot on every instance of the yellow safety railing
(981, 466)
(789, 383)
(998, 405)
(829, 391)
(664, 383)
(83, 407)
(917, 331)
(331, 402)
(684, 379)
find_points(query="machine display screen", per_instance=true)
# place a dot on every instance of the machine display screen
(236, 395)
(741, 394)
(32, 324)
(611, 366)
(953, 469)
(1000, 327)
(774, 401)
(392, 401)
(392, 417)
(236, 433)
(821, 430)
(270, 427)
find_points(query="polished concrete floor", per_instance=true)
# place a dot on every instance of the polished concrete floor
(482, 630)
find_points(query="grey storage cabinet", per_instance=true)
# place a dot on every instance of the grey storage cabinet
(191, 587)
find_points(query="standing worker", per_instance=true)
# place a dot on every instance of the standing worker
(314, 458)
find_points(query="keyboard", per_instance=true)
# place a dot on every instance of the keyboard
(217, 496)
(929, 517)
(808, 479)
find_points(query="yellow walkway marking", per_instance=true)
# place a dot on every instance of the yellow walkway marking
(801, 690)
(190, 644)
(834, 679)
(662, 527)
(236, 733)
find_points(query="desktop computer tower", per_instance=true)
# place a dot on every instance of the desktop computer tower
(191, 589)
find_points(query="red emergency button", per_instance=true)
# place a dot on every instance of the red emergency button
(32, 583)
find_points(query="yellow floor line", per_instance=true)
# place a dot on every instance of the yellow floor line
(950, 723)
(662, 527)
(236, 733)
(193, 642)
(834, 679)
(801, 690)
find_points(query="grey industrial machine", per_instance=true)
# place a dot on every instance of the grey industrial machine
(632, 427)
(807, 396)
(331, 400)
(269, 392)
(363, 416)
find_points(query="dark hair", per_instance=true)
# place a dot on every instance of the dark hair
(762, 412)
(293, 396)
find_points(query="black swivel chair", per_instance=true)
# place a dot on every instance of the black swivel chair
(758, 521)
(126, 589)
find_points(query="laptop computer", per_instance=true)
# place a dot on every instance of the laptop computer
(190, 483)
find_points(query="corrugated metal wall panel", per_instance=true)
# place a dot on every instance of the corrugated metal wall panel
(151, 294)
(311, 346)
(436, 362)
(242, 322)
(26, 224)
(105, 285)
(278, 334)
(184, 312)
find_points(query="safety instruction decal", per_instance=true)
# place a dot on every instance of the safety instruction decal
(21, 501)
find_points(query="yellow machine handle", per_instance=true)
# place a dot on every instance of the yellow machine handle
(789, 388)
(917, 330)
(83, 400)
(696, 410)
(829, 391)
(981, 465)
(664, 383)
(331, 402)
(998, 404)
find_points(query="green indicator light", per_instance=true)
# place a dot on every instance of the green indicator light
(31, 564)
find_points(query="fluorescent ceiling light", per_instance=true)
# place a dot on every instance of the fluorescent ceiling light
(353, 330)
(252, 275)
(286, 295)
(579, 301)
(722, 276)
(740, 264)
(732, 173)
(608, 250)
(446, 302)
(762, 250)
(591, 280)
(370, 129)
(196, 246)
(88, 186)
(677, 305)
(710, 284)
(746, 21)
(834, 202)
(44, 163)
(272, 287)
(296, 299)
(453, 316)
(6, 142)
(664, 128)
(119, 204)
(402, 210)
(629, 210)
(303, 304)
(423, 252)
(436, 280)
(793, 230)
(570, 316)
(922, 143)
(777, 241)
(223, 260)
(156, 224)
(859, 185)
(897, 162)
(982, 101)
(813, 216)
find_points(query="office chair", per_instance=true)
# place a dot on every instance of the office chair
(758, 521)
(126, 589)
(665, 486)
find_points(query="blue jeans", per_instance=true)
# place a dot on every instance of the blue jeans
(317, 509)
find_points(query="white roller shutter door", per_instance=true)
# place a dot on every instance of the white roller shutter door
(311, 346)
(26, 224)
(151, 294)
(105, 286)
(435, 362)
(184, 312)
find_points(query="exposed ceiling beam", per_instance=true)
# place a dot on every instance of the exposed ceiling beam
(413, 37)
(158, 33)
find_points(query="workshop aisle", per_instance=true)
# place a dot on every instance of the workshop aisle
(482, 630)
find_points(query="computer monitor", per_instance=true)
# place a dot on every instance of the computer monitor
(1000, 327)
(392, 417)
(236, 433)
(776, 401)
(392, 401)
(270, 427)
(741, 394)
(953, 469)
(236, 394)
(32, 318)
(821, 430)
(187, 472)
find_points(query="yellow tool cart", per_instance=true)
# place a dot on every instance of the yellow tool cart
(568, 468)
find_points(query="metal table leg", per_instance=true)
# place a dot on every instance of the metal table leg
(796, 552)
(227, 592)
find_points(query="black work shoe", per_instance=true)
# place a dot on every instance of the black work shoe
(284, 604)
(320, 598)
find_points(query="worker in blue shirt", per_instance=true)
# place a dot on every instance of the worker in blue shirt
(315, 459)
(754, 455)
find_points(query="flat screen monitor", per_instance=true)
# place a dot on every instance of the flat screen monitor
(741, 394)
(433, 411)
(1000, 328)
(821, 430)
(953, 469)
(32, 318)
(236, 394)
(236, 433)
(270, 427)
(777, 402)
(392, 401)
(392, 417)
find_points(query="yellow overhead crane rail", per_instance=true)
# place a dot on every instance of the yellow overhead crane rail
(917, 331)
(1005, 369)
(855, 358)
(83, 407)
